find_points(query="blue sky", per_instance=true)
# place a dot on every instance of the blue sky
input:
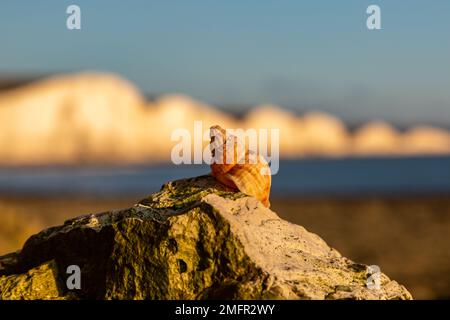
(300, 54)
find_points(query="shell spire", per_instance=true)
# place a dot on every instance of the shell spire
(238, 167)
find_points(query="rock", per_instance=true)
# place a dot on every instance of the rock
(37, 283)
(195, 239)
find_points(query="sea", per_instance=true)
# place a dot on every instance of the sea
(402, 176)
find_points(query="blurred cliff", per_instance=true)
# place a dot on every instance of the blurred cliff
(101, 118)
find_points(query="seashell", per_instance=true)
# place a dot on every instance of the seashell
(239, 172)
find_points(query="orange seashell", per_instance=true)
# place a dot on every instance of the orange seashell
(237, 171)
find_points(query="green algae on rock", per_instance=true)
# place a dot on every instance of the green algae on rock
(194, 239)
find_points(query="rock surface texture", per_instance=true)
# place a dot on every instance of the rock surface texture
(195, 239)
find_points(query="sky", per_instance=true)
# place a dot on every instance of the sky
(302, 55)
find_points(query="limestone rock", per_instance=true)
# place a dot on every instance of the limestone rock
(37, 283)
(195, 239)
